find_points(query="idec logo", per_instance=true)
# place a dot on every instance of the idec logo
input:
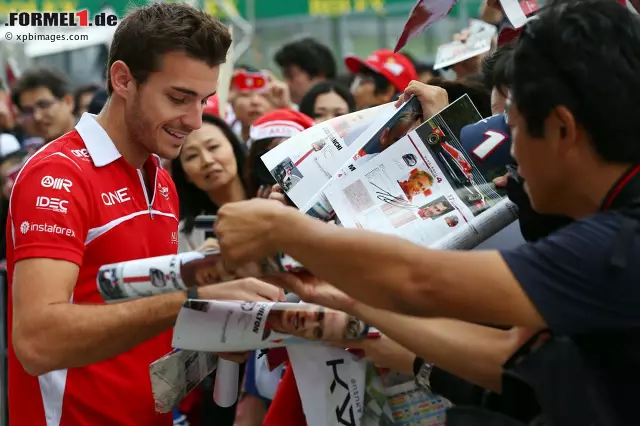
(53, 204)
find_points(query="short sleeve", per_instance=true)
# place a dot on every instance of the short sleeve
(49, 210)
(570, 279)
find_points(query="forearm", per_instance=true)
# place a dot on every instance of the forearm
(371, 267)
(391, 273)
(72, 335)
(473, 352)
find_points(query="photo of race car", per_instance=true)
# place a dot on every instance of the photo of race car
(457, 167)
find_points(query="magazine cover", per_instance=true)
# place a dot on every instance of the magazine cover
(427, 188)
(479, 41)
(235, 326)
(303, 163)
(174, 375)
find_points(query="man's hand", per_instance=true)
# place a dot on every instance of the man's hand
(245, 289)
(313, 290)
(245, 230)
(384, 353)
(432, 98)
(278, 91)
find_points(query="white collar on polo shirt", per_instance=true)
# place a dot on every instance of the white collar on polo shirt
(99, 145)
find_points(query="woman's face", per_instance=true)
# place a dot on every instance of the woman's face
(249, 106)
(328, 106)
(207, 159)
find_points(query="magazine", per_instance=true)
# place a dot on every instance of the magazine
(478, 42)
(236, 326)
(303, 163)
(176, 374)
(427, 188)
(164, 274)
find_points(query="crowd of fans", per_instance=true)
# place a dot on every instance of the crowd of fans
(219, 163)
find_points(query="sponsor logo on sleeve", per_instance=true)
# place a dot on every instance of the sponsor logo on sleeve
(174, 238)
(56, 183)
(26, 227)
(81, 153)
(51, 203)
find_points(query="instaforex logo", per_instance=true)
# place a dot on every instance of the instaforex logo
(60, 19)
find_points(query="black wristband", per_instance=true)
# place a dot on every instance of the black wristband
(417, 365)
(192, 293)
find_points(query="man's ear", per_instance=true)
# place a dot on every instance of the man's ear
(562, 124)
(122, 80)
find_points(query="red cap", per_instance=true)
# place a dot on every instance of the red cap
(395, 67)
(213, 106)
(281, 123)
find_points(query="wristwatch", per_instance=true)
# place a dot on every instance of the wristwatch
(422, 373)
(192, 293)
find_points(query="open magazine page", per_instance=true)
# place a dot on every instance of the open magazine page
(303, 163)
(426, 188)
(387, 128)
(233, 326)
(174, 375)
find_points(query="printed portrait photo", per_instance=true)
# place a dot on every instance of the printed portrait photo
(419, 182)
(287, 174)
(452, 221)
(435, 209)
(313, 323)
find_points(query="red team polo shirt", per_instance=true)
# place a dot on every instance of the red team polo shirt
(78, 200)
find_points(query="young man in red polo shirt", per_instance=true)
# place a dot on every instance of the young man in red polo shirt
(98, 195)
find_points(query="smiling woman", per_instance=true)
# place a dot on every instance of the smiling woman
(207, 175)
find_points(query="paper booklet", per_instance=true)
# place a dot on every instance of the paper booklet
(481, 35)
(236, 326)
(176, 374)
(427, 188)
(164, 274)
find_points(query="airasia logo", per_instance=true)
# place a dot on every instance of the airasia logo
(53, 204)
(56, 183)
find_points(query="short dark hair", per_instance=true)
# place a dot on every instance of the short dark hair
(478, 93)
(87, 88)
(310, 55)
(33, 79)
(584, 56)
(148, 32)
(495, 69)
(308, 102)
(193, 201)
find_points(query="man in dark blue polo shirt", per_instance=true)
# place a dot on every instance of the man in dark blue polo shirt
(573, 112)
